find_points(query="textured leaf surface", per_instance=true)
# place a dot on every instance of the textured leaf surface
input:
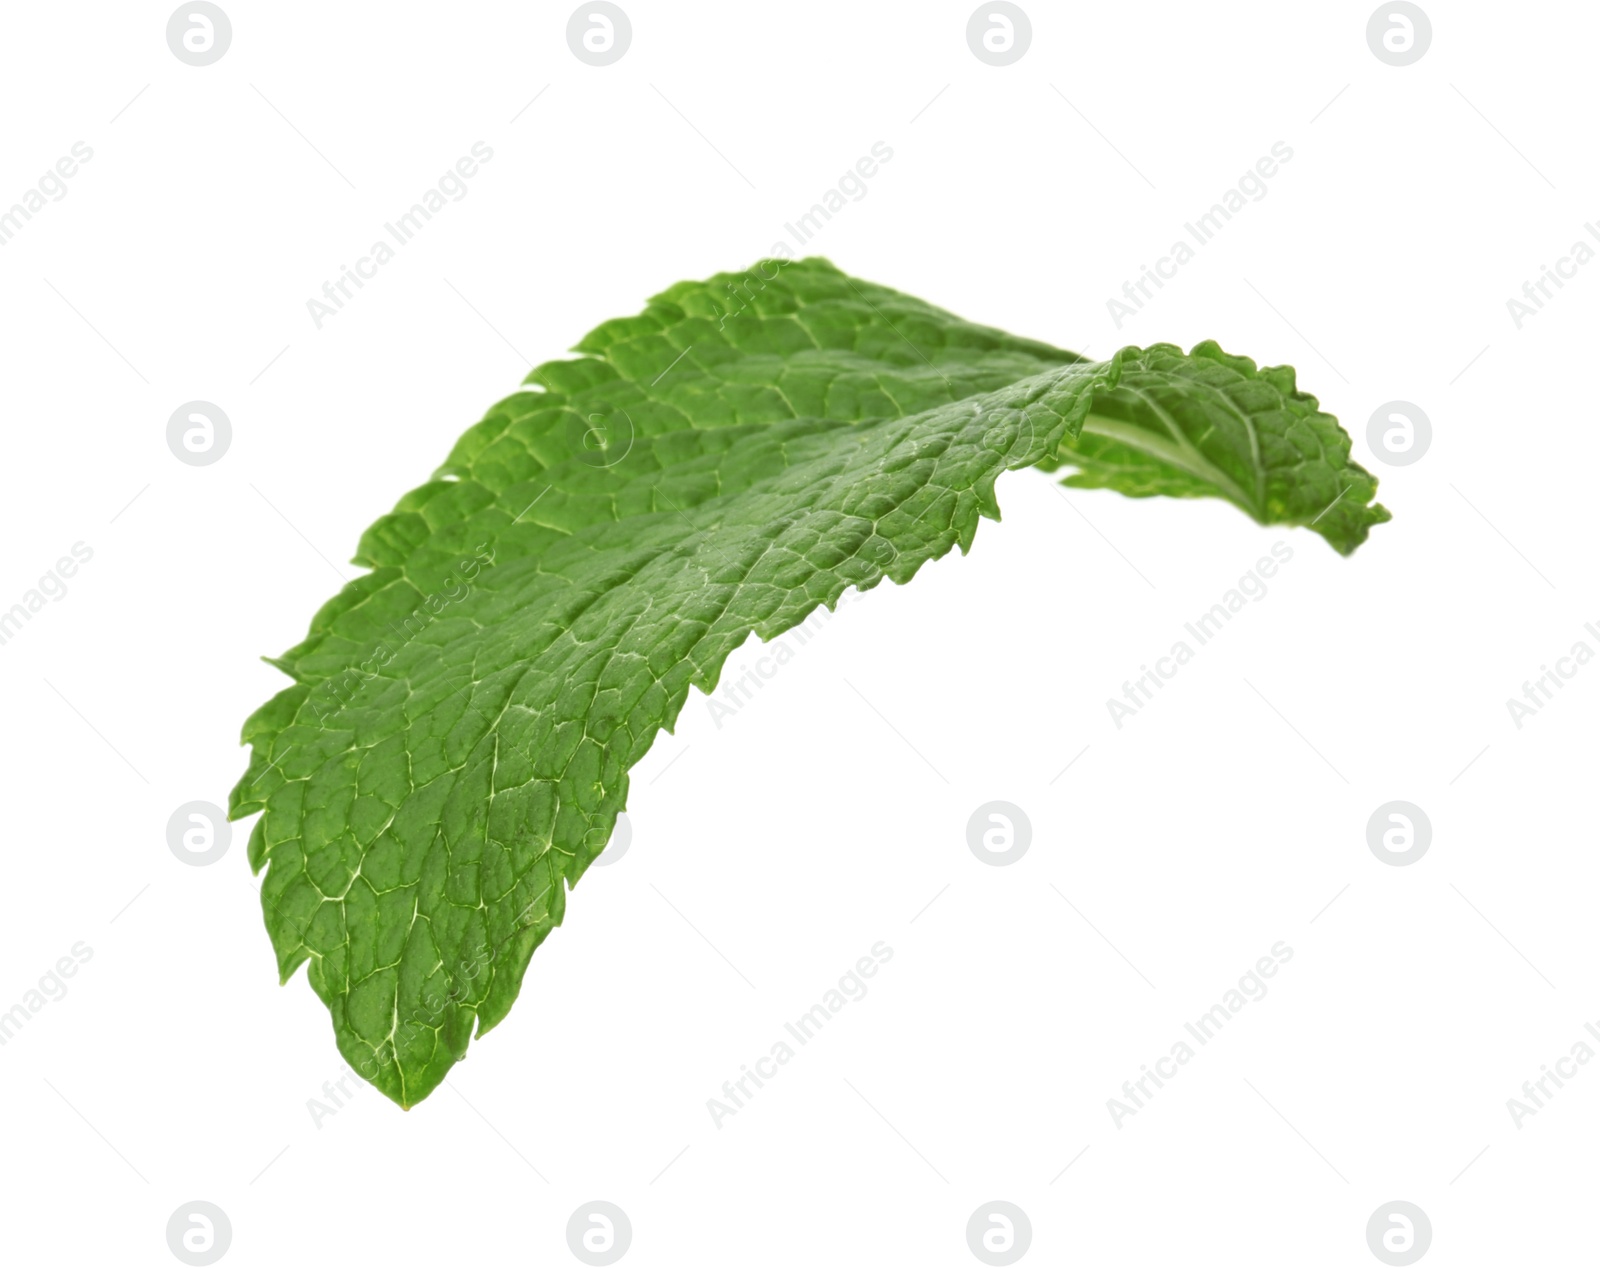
(454, 749)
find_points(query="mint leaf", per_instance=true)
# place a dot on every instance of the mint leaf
(1211, 425)
(455, 747)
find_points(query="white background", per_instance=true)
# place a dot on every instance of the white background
(1224, 818)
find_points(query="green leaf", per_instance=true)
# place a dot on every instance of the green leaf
(455, 747)
(1211, 425)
